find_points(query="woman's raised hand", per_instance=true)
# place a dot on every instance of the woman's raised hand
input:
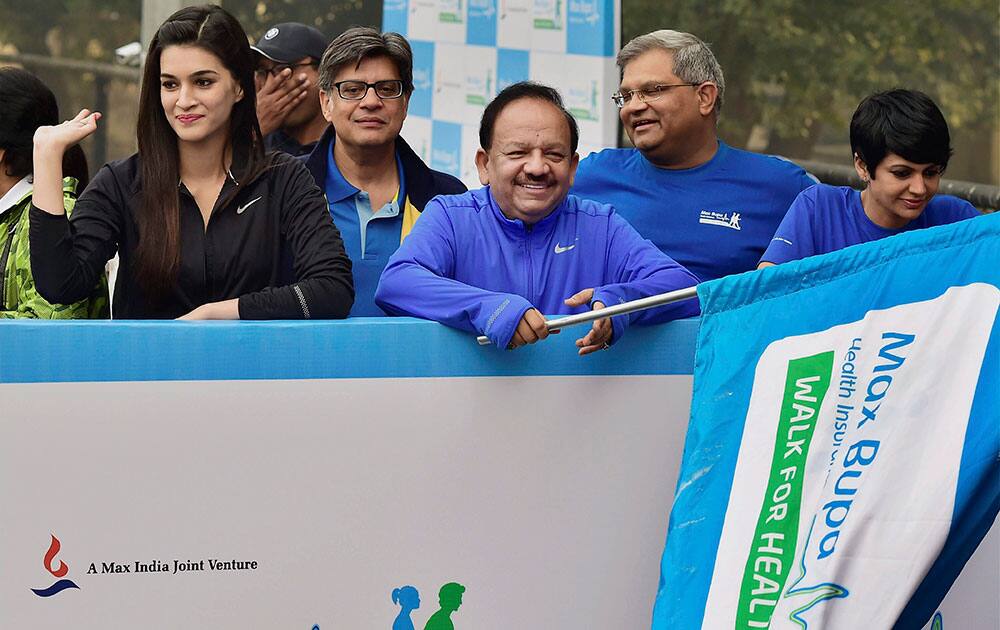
(51, 143)
(60, 137)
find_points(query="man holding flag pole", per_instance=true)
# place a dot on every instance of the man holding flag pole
(492, 261)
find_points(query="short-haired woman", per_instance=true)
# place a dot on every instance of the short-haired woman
(901, 147)
(25, 105)
(206, 225)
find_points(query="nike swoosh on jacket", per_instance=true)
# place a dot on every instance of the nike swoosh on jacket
(468, 266)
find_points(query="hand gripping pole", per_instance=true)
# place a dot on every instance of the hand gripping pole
(610, 311)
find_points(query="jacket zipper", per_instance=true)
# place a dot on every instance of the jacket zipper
(3, 262)
(527, 246)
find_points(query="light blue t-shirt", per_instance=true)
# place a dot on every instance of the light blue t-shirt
(714, 219)
(370, 235)
(826, 218)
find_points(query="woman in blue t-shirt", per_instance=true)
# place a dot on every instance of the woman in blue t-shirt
(901, 147)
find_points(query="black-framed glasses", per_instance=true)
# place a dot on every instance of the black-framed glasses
(646, 94)
(356, 90)
(278, 68)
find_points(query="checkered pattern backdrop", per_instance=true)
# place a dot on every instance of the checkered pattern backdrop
(465, 51)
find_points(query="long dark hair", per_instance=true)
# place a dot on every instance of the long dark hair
(214, 29)
(25, 105)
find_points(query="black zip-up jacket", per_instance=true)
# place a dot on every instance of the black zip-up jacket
(277, 217)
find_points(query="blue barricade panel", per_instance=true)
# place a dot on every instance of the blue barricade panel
(85, 351)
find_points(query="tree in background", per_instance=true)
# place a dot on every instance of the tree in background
(796, 70)
(80, 30)
(77, 29)
(91, 30)
(331, 18)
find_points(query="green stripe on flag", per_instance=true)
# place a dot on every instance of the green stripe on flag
(773, 549)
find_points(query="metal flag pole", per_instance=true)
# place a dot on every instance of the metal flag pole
(611, 311)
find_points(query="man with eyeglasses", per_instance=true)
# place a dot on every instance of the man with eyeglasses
(711, 207)
(375, 183)
(287, 92)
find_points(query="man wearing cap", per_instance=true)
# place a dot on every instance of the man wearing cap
(287, 87)
(374, 182)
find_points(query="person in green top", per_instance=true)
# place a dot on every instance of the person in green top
(26, 104)
(450, 598)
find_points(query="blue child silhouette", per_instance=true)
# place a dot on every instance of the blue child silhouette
(450, 598)
(408, 599)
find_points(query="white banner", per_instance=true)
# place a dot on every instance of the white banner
(289, 504)
(236, 475)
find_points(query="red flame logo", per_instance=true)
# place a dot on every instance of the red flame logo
(59, 585)
(50, 556)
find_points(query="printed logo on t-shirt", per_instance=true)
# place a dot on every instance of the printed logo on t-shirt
(725, 219)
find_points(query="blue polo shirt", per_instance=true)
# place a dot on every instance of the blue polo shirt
(370, 235)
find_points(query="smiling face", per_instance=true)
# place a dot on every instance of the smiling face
(670, 129)
(530, 166)
(898, 191)
(197, 93)
(371, 121)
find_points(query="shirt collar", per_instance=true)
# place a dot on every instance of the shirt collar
(281, 141)
(238, 161)
(518, 226)
(338, 188)
(16, 194)
(229, 179)
(721, 153)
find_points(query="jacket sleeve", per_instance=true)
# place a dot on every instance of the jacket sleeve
(639, 269)
(27, 303)
(31, 305)
(324, 286)
(419, 281)
(68, 255)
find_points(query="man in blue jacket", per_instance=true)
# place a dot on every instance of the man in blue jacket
(491, 261)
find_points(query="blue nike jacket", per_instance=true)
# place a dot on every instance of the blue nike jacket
(468, 266)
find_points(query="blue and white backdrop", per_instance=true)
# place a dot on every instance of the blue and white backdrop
(465, 51)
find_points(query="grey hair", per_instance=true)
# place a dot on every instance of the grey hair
(356, 44)
(693, 59)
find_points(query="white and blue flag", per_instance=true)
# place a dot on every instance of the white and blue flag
(842, 461)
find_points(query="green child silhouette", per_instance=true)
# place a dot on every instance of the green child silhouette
(450, 598)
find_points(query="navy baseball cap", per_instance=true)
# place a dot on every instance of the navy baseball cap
(291, 41)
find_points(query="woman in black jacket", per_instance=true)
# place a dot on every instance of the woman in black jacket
(206, 225)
